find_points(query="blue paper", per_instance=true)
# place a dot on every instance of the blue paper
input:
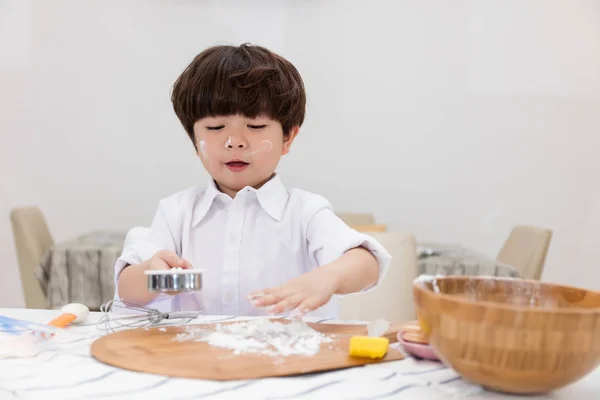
(12, 325)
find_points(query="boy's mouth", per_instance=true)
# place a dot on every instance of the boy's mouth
(237, 165)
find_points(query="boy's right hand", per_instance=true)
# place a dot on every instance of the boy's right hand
(166, 259)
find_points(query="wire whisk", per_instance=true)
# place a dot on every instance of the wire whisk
(118, 315)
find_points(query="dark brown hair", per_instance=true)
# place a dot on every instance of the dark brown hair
(247, 80)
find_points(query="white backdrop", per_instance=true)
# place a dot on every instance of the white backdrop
(451, 119)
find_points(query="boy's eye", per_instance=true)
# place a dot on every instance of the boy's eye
(256, 126)
(215, 128)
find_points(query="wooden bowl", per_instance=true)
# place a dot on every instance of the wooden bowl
(510, 335)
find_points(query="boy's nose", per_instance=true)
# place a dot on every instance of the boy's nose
(235, 142)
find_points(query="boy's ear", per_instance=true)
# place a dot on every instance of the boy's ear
(287, 142)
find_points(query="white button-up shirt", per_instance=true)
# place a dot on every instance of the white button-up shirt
(256, 240)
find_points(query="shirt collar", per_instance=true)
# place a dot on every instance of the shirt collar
(272, 197)
(201, 208)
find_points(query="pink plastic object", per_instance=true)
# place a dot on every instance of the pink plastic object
(419, 350)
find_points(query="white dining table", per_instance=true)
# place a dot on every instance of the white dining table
(67, 370)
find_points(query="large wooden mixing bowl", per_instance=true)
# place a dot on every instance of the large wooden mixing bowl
(511, 335)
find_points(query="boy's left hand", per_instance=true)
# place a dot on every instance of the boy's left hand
(304, 293)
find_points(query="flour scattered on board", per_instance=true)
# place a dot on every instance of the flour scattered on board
(260, 336)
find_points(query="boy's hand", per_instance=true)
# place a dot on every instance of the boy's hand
(304, 293)
(166, 259)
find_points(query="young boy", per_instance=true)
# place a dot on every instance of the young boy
(265, 248)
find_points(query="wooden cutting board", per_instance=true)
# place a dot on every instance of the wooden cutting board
(154, 351)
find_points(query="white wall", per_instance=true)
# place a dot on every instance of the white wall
(455, 119)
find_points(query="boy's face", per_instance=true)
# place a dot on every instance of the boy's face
(238, 151)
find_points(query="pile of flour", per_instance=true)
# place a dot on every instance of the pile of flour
(260, 336)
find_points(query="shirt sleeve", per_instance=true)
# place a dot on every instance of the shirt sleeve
(329, 238)
(159, 237)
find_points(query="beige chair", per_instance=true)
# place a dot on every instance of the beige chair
(392, 299)
(525, 249)
(32, 240)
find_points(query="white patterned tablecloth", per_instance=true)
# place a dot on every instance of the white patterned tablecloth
(81, 270)
(70, 372)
